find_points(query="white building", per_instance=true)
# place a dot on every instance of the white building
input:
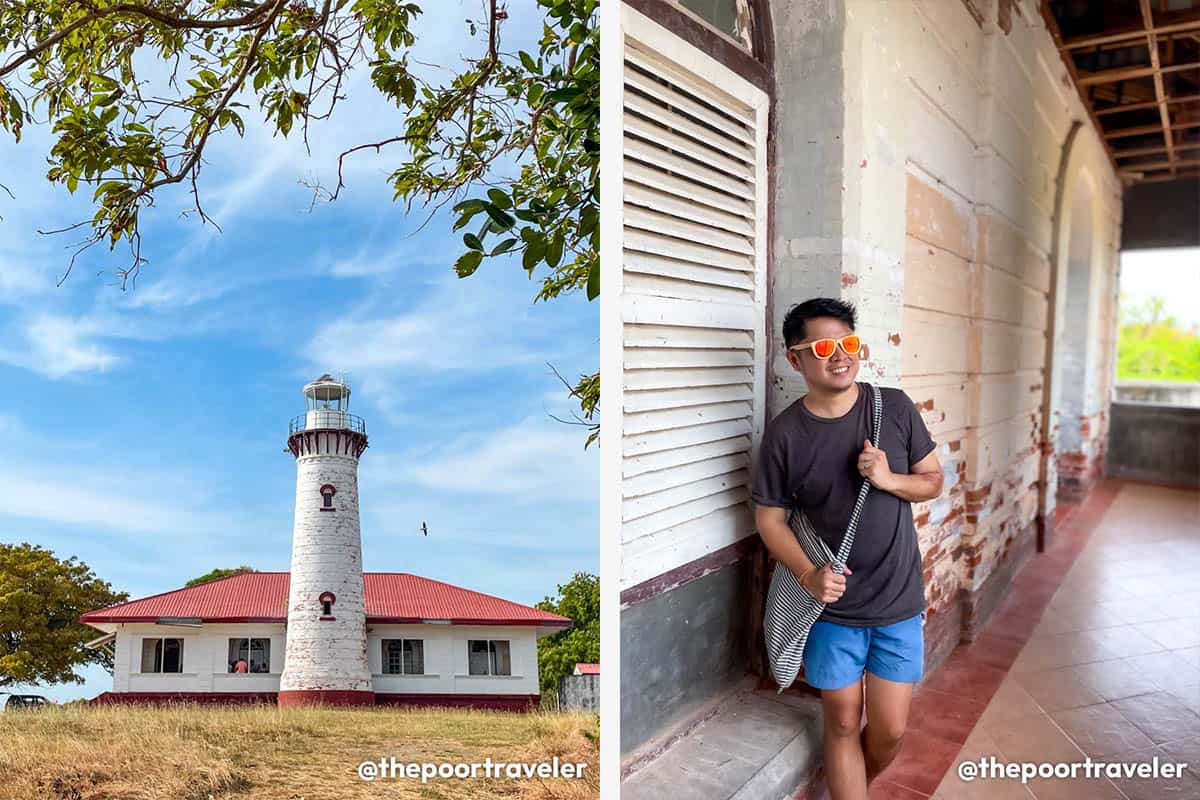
(326, 632)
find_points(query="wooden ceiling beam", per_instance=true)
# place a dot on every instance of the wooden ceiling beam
(1128, 73)
(1190, 173)
(1133, 34)
(1069, 62)
(1153, 151)
(1191, 98)
(1142, 130)
(1159, 94)
(1154, 166)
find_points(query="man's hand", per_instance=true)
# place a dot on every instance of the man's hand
(873, 465)
(825, 584)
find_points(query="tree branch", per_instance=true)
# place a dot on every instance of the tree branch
(178, 23)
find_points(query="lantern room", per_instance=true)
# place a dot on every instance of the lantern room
(327, 403)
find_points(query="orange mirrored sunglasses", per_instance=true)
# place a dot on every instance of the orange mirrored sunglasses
(823, 348)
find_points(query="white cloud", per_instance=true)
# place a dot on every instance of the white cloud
(458, 326)
(19, 277)
(85, 484)
(531, 461)
(58, 346)
(96, 504)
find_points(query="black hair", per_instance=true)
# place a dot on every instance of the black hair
(793, 323)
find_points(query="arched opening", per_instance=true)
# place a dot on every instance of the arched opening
(1072, 364)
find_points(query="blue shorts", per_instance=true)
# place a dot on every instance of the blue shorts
(836, 655)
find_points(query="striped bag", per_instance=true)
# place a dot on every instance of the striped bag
(791, 608)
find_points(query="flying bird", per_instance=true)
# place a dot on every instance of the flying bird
(424, 529)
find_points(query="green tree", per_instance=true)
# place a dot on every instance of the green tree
(579, 601)
(1151, 346)
(41, 599)
(93, 71)
(217, 574)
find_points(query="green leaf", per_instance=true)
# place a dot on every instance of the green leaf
(533, 255)
(593, 283)
(504, 246)
(471, 207)
(472, 241)
(554, 249)
(587, 220)
(105, 188)
(503, 219)
(563, 95)
(499, 198)
(467, 263)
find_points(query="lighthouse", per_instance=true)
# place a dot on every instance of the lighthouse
(326, 654)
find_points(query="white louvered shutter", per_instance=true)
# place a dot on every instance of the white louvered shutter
(693, 300)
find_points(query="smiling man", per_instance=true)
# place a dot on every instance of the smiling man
(814, 457)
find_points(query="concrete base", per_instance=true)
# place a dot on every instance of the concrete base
(943, 632)
(1156, 444)
(680, 650)
(493, 702)
(196, 698)
(979, 604)
(759, 745)
(324, 697)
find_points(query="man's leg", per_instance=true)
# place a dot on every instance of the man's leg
(895, 662)
(887, 717)
(834, 660)
(844, 768)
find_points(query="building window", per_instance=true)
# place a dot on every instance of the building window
(731, 17)
(403, 657)
(162, 655)
(249, 655)
(327, 600)
(327, 493)
(488, 657)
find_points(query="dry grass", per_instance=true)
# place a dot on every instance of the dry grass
(266, 753)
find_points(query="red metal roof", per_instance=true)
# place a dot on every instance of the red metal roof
(587, 669)
(390, 597)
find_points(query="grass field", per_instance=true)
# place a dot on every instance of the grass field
(265, 753)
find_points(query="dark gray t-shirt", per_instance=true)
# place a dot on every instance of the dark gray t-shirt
(811, 462)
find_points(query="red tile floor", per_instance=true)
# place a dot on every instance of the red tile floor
(1095, 653)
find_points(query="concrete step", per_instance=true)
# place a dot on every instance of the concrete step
(759, 745)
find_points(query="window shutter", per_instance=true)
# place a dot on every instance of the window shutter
(692, 299)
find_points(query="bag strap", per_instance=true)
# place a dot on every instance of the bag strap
(848, 540)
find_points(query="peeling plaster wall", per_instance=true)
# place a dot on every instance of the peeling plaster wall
(952, 134)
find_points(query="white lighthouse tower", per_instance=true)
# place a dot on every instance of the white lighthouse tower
(326, 660)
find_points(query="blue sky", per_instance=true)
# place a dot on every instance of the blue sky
(146, 428)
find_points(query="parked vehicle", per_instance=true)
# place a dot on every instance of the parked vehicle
(26, 702)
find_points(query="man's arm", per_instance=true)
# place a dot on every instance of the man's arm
(779, 539)
(924, 481)
(823, 584)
